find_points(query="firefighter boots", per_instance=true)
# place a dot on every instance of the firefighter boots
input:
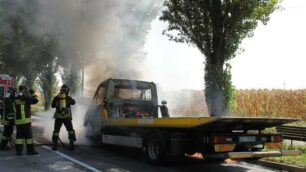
(72, 145)
(4, 146)
(31, 150)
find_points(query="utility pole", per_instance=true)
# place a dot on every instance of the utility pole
(82, 82)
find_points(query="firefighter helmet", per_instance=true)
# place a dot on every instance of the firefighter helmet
(65, 88)
(164, 102)
(21, 88)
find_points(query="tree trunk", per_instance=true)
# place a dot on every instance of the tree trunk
(30, 79)
(16, 81)
(213, 90)
(47, 98)
(74, 81)
(47, 81)
(71, 77)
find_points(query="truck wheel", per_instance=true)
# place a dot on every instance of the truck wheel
(101, 138)
(155, 149)
(102, 144)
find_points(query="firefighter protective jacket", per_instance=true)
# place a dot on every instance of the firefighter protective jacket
(22, 108)
(60, 111)
(7, 111)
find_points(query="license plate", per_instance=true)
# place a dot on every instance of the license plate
(247, 139)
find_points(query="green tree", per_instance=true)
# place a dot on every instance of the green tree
(228, 88)
(216, 28)
(20, 39)
(71, 77)
(47, 82)
(26, 48)
(47, 79)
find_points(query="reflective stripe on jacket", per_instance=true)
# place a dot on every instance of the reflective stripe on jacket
(22, 108)
(7, 112)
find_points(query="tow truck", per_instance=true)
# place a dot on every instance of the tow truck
(125, 113)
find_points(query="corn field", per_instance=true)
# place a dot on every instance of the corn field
(249, 103)
(271, 103)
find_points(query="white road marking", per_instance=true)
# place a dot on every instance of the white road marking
(73, 160)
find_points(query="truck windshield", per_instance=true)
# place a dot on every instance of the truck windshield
(134, 94)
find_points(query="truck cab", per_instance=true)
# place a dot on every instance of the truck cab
(127, 98)
(121, 98)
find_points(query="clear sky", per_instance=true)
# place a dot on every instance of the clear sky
(274, 57)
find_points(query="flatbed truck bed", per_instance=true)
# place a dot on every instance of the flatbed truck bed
(202, 122)
(125, 113)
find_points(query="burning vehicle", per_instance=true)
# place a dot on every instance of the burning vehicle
(125, 113)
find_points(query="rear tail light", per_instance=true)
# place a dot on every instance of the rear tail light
(222, 139)
(276, 138)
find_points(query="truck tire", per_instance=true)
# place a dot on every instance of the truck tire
(101, 138)
(155, 149)
(101, 143)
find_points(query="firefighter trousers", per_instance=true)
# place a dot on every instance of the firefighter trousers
(6, 136)
(24, 133)
(57, 127)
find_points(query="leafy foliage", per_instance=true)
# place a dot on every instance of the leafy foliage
(213, 25)
(216, 28)
(21, 46)
(47, 81)
(71, 78)
(26, 49)
(229, 89)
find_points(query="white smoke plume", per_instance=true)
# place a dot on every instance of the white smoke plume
(105, 36)
(46, 123)
(184, 103)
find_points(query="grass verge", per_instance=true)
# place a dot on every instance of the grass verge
(299, 161)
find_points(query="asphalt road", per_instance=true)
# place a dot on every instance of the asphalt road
(111, 159)
(108, 159)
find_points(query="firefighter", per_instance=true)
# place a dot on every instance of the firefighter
(63, 115)
(23, 121)
(164, 109)
(7, 118)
